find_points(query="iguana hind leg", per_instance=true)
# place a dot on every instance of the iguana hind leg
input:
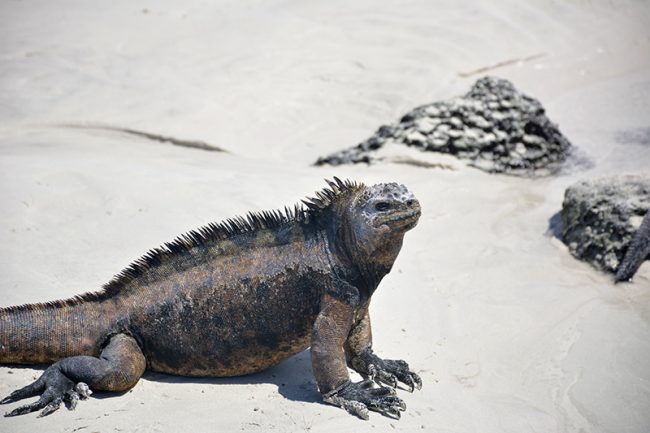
(119, 367)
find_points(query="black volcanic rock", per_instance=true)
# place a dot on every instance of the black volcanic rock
(494, 127)
(601, 217)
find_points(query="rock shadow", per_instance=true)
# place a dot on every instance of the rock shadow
(554, 228)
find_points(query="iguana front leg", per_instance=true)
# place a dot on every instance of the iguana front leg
(118, 368)
(330, 332)
(361, 358)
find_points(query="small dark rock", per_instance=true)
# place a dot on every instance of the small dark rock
(385, 131)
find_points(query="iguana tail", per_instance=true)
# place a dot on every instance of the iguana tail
(638, 251)
(45, 333)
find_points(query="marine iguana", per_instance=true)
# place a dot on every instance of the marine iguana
(229, 299)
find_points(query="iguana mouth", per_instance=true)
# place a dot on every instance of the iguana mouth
(406, 219)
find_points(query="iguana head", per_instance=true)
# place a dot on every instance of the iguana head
(377, 217)
(366, 224)
(386, 206)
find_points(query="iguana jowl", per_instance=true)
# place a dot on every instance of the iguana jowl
(231, 299)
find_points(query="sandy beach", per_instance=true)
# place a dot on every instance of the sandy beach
(508, 331)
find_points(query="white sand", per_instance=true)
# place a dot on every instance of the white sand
(509, 332)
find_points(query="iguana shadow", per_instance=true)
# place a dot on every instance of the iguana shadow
(293, 377)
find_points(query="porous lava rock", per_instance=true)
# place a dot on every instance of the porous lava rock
(494, 127)
(599, 219)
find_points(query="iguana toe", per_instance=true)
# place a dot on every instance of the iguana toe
(72, 398)
(81, 391)
(30, 390)
(382, 377)
(52, 406)
(413, 381)
(404, 374)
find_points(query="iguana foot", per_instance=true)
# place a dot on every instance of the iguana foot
(386, 371)
(357, 398)
(119, 367)
(389, 372)
(54, 388)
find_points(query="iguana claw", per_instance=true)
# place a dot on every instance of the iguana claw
(413, 381)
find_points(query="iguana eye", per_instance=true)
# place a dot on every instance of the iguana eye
(382, 206)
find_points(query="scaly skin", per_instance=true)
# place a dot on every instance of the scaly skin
(232, 299)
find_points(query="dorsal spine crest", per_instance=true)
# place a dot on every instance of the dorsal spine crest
(305, 212)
